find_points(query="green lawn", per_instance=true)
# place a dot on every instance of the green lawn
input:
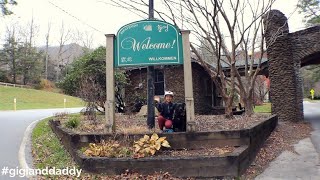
(34, 99)
(46, 147)
(310, 100)
(265, 108)
(49, 152)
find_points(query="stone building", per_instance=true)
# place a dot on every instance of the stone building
(206, 96)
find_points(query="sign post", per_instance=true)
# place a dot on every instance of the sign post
(150, 77)
(14, 104)
(109, 104)
(148, 43)
(64, 103)
(188, 89)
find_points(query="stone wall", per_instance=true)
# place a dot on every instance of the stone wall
(306, 46)
(132, 90)
(286, 52)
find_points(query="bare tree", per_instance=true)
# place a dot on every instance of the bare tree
(228, 30)
(30, 60)
(85, 39)
(261, 89)
(87, 90)
(63, 58)
(47, 49)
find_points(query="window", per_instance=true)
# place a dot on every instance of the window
(159, 83)
(207, 86)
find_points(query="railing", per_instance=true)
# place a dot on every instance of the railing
(14, 85)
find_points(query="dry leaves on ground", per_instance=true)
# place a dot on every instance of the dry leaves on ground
(137, 124)
(205, 151)
(219, 122)
(282, 138)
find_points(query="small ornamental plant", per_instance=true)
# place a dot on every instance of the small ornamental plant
(148, 146)
(73, 122)
(107, 149)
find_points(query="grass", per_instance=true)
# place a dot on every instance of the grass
(265, 108)
(35, 99)
(310, 100)
(46, 148)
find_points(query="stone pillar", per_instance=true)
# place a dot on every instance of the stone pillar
(285, 94)
(109, 105)
(299, 90)
(188, 89)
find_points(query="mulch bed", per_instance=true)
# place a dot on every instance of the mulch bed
(219, 122)
(282, 138)
(205, 151)
(137, 124)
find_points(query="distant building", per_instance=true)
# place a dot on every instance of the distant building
(206, 96)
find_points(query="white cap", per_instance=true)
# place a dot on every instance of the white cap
(168, 93)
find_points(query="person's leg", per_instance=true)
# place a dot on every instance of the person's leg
(161, 122)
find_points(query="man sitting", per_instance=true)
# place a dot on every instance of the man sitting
(166, 110)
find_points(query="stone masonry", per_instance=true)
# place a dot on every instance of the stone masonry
(287, 52)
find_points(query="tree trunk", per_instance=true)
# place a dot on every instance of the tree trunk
(248, 104)
(228, 108)
(14, 66)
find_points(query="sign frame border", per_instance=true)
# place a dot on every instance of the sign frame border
(117, 63)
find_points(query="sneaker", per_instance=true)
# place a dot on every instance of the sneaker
(168, 131)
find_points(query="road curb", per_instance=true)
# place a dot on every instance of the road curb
(26, 139)
(22, 150)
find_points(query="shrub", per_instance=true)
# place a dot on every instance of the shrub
(91, 66)
(3, 76)
(73, 122)
(45, 84)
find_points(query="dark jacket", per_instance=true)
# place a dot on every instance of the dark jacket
(166, 110)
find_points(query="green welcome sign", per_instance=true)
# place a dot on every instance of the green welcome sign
(148, 42)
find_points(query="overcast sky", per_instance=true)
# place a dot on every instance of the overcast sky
(103, 18)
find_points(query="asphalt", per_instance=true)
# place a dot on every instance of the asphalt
(305, 163)
(12, 129)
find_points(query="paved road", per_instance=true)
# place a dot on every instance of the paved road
(312, 114)
(12, 128)
(305, 164)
